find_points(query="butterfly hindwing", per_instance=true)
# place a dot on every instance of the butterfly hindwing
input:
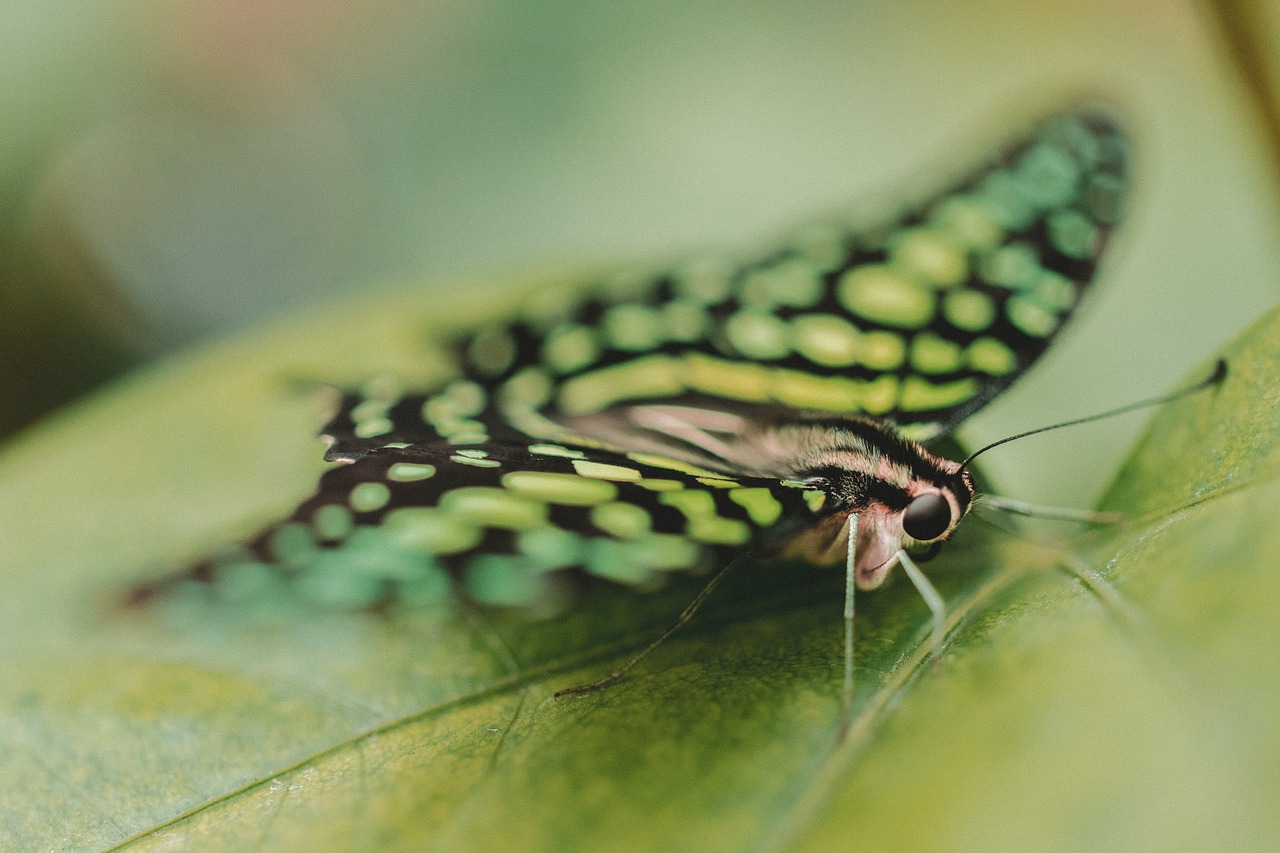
(506, 519)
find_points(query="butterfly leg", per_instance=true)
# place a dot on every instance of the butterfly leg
(937, 607)
(685, 616)
(850, 587)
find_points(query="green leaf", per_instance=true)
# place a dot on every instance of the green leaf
(1117, 690)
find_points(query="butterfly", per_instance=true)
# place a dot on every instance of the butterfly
(657, 423)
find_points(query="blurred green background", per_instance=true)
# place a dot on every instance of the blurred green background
(171, 173)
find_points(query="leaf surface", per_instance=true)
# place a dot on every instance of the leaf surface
(1113, 690)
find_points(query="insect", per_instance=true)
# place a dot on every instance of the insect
(661, 423)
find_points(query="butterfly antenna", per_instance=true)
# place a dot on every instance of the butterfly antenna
(1219, 374)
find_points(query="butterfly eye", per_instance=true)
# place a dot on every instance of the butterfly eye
(927, 517)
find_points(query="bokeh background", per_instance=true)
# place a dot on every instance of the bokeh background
(173, 173)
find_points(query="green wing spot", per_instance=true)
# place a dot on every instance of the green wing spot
(923, 253)
(452, 426)
(474, 462)
(719, 531)
(372, 555)
(1014, 266)
(492, 351)
(694, 504)
(969, 222)
(431, 587)
(428, 530)
(369, 409)
(563, 489)
(880, 395)
(816, 499)
(794, 283)
(329, 582)
(626, 521)
(501, 581)
(460, 400)
(616, 561)
(246, 581)
(469, 437)
(758, 335)
(649, 376)
(667, 551)
(1048, 176)
(548, 548)
(658, 485)
(555, 450)
(718, 482)
(570, 348)
(828, 394)
(684, 321)
(760, 504)
(530, 387)
(734, 380)
(410, 472)
(603, 471)
(702, 522)
(373, 427)
(825, 339)
(881, 295)
(1055, 292)
(669, 464)
(332, 522)
(466, 398)
(1002, 193)
(919, 395)
(883, 350)
(292, 544)
(1072, 234)
(369, 497)
(969, 310)
(1029, 317)
(633, 327)
(990, 356)
(494, 507)
(932, 354)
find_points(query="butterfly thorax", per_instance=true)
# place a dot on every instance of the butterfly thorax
(869, 471)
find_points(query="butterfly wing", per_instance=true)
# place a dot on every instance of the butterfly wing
(919, 321)
(556, 448)
(507, 520)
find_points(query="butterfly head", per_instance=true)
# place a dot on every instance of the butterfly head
(902, 496)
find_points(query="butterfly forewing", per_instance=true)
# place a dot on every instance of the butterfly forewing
(919, 322)
(610, 433)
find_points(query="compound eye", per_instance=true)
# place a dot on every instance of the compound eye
(927, 517)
